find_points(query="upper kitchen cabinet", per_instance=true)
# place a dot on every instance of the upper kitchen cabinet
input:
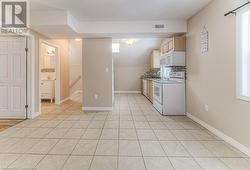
(155, 59)
(176, 43)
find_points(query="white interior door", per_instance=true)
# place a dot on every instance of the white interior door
(12, 78)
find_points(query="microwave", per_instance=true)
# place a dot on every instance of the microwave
(173, 58)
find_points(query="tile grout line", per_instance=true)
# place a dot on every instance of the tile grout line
(162, 146)
(97, 142)
(129, 102)
(54, 145)
(138, 140)
(72, 149)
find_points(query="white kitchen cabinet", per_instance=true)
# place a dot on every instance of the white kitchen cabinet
(48, 89)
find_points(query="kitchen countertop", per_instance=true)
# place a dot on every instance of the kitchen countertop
(169, 81)
(150, 78)
(158, 80)
(47, 79)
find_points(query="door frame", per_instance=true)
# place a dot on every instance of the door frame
(57, 70)
(31, 77)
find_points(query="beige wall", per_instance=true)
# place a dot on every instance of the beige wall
(212, 76)
(129, 78)
(97, 56)
(132, 62)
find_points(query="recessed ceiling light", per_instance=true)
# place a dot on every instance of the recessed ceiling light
(129, 41)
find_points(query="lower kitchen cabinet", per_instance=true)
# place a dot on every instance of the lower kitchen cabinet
(150, 90)
(147, 89)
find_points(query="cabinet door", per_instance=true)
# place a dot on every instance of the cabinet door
(46, 87)
(179, 43)
(150, 90)
(171, 45)
(155, 59)
(145, 89)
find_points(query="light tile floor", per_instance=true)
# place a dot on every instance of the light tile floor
(5, 124)
(134, 136)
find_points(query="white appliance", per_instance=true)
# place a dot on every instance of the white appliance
(172, 97)
(145, 87)
(173, 58)
(157, 96)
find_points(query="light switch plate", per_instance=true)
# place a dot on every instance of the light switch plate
(206, 108)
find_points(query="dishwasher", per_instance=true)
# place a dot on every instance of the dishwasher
(174, 99)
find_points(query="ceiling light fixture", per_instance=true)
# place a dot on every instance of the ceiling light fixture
(78, 39)
(51, 51)
(129, 41)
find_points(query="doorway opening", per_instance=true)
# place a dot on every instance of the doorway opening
(49, 74)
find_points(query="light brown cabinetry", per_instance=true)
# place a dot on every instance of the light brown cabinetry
(177, 43)
(147, 89)
(155, 59)
(150, 90)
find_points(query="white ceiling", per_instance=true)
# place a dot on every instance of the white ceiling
(123, 10)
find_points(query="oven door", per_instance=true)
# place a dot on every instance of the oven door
(157, 92)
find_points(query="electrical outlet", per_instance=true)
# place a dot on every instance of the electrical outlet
(107, 69)
(206, 108)
(96, 96)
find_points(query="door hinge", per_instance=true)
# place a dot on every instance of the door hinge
(26, 106)
(26, 49)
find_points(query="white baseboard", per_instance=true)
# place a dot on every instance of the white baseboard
(127, 92)
(33, 115)
(221, 135)
(75, 93)
(100, 109)
(64, 100)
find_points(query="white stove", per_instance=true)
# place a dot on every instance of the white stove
(169, 93)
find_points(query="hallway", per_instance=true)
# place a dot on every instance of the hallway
(133, 136)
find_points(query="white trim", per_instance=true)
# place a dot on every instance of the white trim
(75, 93)
(58, 71)
(127, 92)
(64, 100)
(239, 54)
(31, 63)
(97, 108)
(34, 115)
(221, 135)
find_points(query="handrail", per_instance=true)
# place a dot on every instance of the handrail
(74, 82)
